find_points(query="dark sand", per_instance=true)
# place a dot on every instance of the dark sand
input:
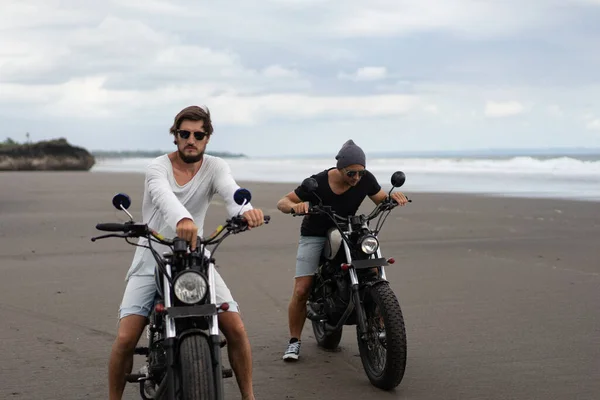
(501, 297)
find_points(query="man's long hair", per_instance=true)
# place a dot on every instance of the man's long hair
(193, 113)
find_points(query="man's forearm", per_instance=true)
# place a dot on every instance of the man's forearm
(285, 205)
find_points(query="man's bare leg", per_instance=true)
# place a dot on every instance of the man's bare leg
(297, 306)
(121, 356)
(239, 351)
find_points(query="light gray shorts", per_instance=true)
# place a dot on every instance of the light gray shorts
(140, 292)
(309, 253)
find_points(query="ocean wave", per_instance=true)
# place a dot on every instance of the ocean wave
(518, 165)
(529, 176)
(514, 165)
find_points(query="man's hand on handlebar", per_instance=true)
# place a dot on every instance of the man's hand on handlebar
(187, 229)
(300, 208)
(399, 198)
(254, 217)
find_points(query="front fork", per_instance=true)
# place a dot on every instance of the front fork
(361, 318)
(214, 335)
(360, 311)
(170, 341)
(381, 269)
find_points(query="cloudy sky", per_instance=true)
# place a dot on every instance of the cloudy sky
(303, 76)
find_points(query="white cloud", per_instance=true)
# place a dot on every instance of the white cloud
(89, 98)
(128, 53)
(277, 71)
(338, 54)
(255, 109)
(594, 124)
(431, 109)
(18, 14)
(494, 109)
(365, 74)
(151, 6)
(465, 17)
(593, 2)
(275, 63)
(555, 110)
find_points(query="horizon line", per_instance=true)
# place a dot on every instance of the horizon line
(579, 150)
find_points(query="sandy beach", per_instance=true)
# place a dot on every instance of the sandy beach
(500, 296)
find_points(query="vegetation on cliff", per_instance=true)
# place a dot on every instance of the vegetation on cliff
(51, 155)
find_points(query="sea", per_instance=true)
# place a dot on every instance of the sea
(560, 176)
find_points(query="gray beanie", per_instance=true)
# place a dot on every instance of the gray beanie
(350, 154)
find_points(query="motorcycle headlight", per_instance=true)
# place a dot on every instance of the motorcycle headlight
(369, 244)
(190, 287)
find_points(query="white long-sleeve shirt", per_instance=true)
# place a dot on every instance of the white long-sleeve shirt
(165, 203)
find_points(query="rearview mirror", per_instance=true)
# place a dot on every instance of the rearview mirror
(398, 179)
(309, 185)
(121, 199)
(242, 196)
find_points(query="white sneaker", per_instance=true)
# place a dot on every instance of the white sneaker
(293, 351)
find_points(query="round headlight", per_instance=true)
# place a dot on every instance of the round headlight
(369, 245)
(190, 287)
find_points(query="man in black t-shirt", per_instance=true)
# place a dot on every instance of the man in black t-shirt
(343, 187)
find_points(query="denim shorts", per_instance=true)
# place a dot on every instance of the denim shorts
(140, 294)
(309, 254)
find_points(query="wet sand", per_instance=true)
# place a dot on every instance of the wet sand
(501, 296)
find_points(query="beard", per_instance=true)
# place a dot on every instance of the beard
(352, 182)
(190, 159)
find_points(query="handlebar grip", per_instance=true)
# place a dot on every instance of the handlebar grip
(242, 221)
(111, 227)
(395, 203)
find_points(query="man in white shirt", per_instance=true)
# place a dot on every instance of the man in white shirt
(178, 190)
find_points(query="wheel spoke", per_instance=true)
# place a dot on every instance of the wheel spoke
(376, 340)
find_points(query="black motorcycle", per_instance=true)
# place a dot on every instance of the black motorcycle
(350, 288)
(183, 357)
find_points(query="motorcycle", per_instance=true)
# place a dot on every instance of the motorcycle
(183, 357)
(350, 288)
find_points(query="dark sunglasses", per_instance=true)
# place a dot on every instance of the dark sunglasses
(197, 135)
(351, 174)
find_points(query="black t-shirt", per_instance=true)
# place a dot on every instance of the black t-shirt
(344, 204)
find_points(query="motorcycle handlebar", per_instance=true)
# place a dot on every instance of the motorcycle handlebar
(311, 211)
(112, 227)
(239, 223)
(315, 210)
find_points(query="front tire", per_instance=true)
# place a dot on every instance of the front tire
(383, 350)
(197, 377)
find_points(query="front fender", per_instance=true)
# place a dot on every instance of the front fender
(370, 284)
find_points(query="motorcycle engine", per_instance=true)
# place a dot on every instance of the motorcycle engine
(335, 293)
(157, 361)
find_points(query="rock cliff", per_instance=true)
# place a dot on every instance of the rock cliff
(52, 155)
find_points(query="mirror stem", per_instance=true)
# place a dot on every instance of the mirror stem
(318, 198)
(242, 206)
(126, 212)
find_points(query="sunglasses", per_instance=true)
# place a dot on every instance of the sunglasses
(352, 174)
(197, 135)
